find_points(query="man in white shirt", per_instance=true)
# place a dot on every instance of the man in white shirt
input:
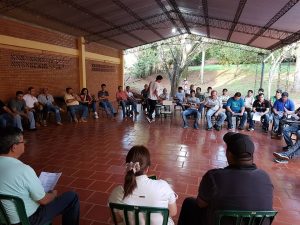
(214, 108)
(249, 99)
(224, 97)
(132, 100)
(153, 96)
(49, 105)
(72, 101)
(33, 104)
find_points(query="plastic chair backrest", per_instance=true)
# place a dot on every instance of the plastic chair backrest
(167, 102)
(245, 217)
(20, 207)
(136, 210)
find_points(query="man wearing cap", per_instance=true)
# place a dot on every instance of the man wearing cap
(239, 186)
(281, 109)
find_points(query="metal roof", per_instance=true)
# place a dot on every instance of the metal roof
(123, 24)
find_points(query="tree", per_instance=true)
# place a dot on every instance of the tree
(296, 86)
(177, 54)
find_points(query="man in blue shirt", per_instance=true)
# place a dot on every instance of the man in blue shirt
(19, 179)
(281, 109)
(236, 107)
(180, 97)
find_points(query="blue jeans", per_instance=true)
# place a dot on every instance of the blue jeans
(107, 107)
(277, 126)
(31, 119)
(287, 132)
(229, 119)
(295, 149)
(189, 112)
(15, 121)
(265, 121)
(75, 108)
(125, 103)
(220, 119)
(55, 109)
(66, 205)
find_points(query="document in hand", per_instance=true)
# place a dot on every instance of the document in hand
(49, 180)
(256, 116)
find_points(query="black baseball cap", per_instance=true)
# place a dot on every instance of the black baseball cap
(240, 145)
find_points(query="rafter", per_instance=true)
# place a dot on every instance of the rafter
(181, 18)
(278, 15)
(136, 16)
(205, 13)
(167, 13)
(65, 23)
(289, 40)
(236, 17)
(8, 5)
(100, 18)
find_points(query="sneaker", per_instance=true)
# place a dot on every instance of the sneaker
(250, 129)
(115, 114)
(196, 128)
(44, 123)
(82, 120)
(186, 126)
(59, 123)
(281, 161)
(149, 120)
(137, 113)
(209, 128)
(96, 115)
(76, 120)
(241, 128)
(230, 128)
(217, 127)
(280, 155)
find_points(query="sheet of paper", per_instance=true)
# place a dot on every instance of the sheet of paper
(256, 116)
(49, 180)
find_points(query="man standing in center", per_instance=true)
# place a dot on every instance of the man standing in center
(153, 96)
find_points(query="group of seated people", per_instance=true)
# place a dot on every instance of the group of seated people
(34, 109)
(229, 188)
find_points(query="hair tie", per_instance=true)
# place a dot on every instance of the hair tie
(134, 166)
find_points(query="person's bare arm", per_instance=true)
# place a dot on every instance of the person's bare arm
(172, 209)
(49, 197)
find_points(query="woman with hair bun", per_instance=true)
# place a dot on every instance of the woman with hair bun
(140, 190)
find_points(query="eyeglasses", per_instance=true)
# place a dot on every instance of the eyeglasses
(21, 142)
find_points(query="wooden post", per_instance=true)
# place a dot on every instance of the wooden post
(121, 70)
(202, 68)
(82, 68)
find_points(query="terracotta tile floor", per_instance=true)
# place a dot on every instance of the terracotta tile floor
(91, 158)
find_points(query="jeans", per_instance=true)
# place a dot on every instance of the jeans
(15, 121)
(229, 119)
(93, 105)
(74, 108)
(66, 205)
(295, 149)
(277, 126)
(31, 120)
(125, 103)
(265, 118)
(107, 107)
(189, 112)
(52, 108)
(220, 118)
(152, 104)
(191, 213)
(287, 132)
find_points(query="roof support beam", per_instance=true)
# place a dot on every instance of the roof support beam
(167, 13)
(137, 17)
(10, 5)
(236, 17)
(278, 15)
(181, 18)
(98, 17)
(205, 12)
(67, 24)
(289, 40)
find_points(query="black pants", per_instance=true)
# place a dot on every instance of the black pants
(191, 213)
(152, 105)
(66, 205)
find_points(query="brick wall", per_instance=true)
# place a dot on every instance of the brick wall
(21, 68)
(96, 78)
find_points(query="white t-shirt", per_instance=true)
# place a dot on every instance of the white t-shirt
(249, 101)
(214, 104)
(152, 193)
(153, 87)
(30, 100)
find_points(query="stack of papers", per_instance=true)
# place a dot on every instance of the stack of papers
(49, 180)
